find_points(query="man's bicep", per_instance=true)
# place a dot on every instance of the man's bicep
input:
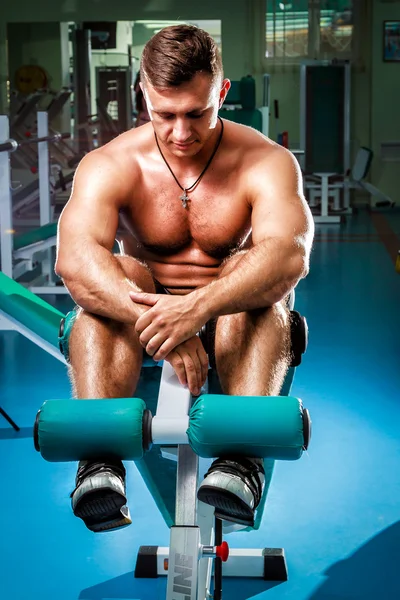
(279, 207)
(91, 213)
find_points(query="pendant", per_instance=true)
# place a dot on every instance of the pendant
(184, 199)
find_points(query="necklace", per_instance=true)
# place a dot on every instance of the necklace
(184, 198)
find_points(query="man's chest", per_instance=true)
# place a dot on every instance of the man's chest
(216, 217)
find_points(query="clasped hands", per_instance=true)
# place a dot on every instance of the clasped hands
(167, 331)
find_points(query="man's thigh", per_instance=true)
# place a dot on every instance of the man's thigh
(225, 329)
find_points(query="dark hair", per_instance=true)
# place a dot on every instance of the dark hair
(175, 54)
(139, 98)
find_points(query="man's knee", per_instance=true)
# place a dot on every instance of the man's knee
(278, 314)
(137, 272)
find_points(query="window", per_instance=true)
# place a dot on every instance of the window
(287, 29)
(299, 29)
(336, 29)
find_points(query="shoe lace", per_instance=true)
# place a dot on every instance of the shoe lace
(247, 469)
(99, 466)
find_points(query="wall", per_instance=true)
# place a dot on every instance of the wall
(385, 104)
(46, 45)
(234, 15)
(375, 85)
(375, 91)
(36, 43)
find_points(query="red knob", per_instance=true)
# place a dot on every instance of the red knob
(222, 551)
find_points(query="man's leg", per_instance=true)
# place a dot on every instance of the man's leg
(252, 352)
(105, 362)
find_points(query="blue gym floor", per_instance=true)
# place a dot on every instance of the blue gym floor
(336, 511)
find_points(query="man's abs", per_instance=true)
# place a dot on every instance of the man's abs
(179, 271)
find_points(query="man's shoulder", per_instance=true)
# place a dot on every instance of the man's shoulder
(255, 149)
(128, 144)
(120, 154)
(247, 138)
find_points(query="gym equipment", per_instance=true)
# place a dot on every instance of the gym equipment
(22, 120)
(9, 419)
(239, 107)
(282, 137)
(13, 145)
(23, 123)
(81, 44)
(265, 108)
(30, 78)
(240, 104)
(356, 179)
(332, 184)
(170, 473)
(325, 115)
(19, 254)
(63, 158)
(217, 425)
(115, 100)
(214, 425)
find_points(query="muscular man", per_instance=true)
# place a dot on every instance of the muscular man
(216, 232)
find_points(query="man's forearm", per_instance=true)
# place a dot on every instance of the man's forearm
(100, 286)
(261, 277)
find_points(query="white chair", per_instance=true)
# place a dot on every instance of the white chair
(359, 173)
(318, 186)
(330, 185)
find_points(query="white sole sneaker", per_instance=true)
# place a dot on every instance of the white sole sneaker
(234, 500)
(100, 502)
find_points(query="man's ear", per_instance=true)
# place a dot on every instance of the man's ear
(225, 87)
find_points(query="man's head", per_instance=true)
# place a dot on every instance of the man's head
(182, 79)
(176, 54)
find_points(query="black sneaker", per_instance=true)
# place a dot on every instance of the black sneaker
(99, 498)
(234, 486)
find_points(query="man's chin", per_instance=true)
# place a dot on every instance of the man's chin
(189, 150)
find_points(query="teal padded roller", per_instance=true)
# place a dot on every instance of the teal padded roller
(29, 310)
(258, 426)
(36, 235)
(69, 430)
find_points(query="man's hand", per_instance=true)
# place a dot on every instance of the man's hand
(168, 322)
(190, 363)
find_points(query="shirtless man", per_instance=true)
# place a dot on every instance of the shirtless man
(217, 231)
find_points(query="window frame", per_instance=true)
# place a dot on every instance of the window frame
(314, 40)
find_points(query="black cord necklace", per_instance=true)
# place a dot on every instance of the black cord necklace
(184, 197)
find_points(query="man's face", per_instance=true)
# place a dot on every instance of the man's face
(184, 117)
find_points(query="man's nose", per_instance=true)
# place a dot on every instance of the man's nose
(182, 131)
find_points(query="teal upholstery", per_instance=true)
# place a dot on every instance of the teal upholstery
(258, 426)
(251, 118)
(242, 97)
(29, 310)
(219, 425)
(36, 235)
(71, 431)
